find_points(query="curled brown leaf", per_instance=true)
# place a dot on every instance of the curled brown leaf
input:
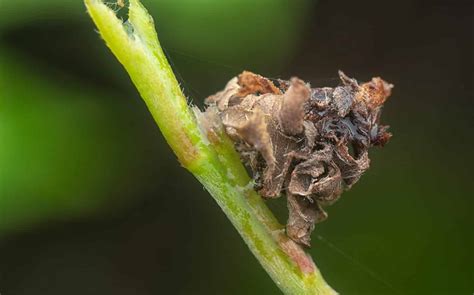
(308, 143)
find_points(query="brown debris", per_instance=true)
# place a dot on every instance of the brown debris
(308, 143)
(292, 109)
(251, 83)
(254, 132)
(375, 92)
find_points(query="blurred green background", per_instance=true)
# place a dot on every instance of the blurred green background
(92, 200)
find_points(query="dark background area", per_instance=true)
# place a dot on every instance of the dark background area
(92, 201)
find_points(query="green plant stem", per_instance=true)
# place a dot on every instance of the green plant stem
(210, 157)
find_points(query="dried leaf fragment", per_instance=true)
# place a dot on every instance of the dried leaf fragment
(251, 83)
(309, 143)
(292, 112)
